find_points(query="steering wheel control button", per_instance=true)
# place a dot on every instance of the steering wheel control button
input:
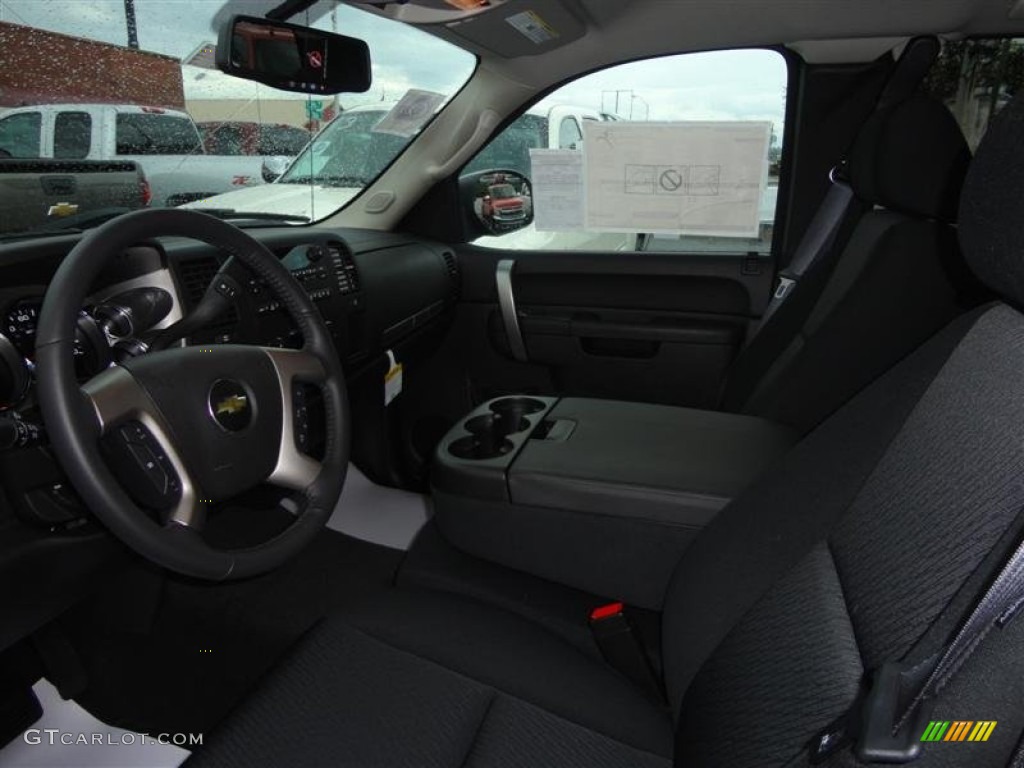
(230, 405)
(226, 288)
(142, 466)
(300, 419)
(150, 466)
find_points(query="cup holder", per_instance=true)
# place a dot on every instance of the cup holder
(498, 424)
(480, 447)
(518, 405)
(490, 431)
(488, 438)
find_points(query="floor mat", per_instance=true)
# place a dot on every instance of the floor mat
(376, 513)
(182, 668)
(117, 748)
(167, 654)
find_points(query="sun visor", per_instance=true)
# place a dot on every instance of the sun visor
(509, 28)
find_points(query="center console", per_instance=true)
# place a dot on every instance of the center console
(598, 494)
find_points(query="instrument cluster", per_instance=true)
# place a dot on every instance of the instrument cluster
(17, 348)
(20, 322)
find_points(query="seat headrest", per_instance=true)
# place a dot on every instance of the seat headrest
(992, 206)
(911, 157)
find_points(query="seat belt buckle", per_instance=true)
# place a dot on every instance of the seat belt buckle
(610, 627)
(878, 740)
(611, 611)
(620, 646)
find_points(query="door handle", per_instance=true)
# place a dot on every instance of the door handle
(678, 333)
(507, 304)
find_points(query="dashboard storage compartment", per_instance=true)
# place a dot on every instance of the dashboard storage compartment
(598, 494)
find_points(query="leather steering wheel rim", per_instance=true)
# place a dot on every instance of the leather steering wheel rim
(75, 429)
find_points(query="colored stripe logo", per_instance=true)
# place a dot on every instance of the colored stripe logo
(958, 730)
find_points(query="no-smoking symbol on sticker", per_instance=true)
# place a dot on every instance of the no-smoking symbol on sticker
(670, 180)
(316, 59)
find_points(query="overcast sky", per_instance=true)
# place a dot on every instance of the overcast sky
(719, 85)
(402, 56)
(731, 85)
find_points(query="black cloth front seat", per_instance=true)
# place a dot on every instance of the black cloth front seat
(869, 545)
(887, 287)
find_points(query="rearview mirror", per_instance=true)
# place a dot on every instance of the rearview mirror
(293, 58)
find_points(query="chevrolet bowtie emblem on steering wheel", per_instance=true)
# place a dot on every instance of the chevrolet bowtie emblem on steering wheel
(233, 404)
(229, 405)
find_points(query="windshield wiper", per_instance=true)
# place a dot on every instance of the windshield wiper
(33, 233)
(77, 224)
(328, 181)
(70, 225)
(234, 215)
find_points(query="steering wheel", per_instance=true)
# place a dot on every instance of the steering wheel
(211, 422)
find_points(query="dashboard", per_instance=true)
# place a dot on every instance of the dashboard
(375, 291)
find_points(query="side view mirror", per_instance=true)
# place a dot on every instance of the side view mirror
(293, 58)
(273, 167)
(496, 202)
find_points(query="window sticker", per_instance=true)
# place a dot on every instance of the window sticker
(410, 113)
(557, 177)
(686, 178)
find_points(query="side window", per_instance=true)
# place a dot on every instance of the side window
(976, 78)
(72, 135)
(225, 139)
(20, 134)
(281, 140)
(676, 154)
(569, 134)
(156, 134)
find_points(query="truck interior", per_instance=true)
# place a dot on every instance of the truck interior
(405, 468)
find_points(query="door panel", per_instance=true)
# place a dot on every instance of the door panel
(658, 328)
(624, 324)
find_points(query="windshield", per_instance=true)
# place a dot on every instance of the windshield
(121, 104)
(350, 152)
(510, 149)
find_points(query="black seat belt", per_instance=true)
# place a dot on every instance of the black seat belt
(818, 240)
(1000, 604)
(840, 203)
(887, 730)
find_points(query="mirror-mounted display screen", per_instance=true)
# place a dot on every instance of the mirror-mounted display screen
(292, 57)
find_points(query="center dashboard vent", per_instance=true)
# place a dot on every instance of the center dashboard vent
(345, 269)
(195, 275)
(451, 266)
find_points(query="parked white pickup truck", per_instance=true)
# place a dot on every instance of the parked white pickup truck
(165, 143)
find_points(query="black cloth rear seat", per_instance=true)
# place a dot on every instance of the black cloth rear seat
(880, 294)
(878, 531)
